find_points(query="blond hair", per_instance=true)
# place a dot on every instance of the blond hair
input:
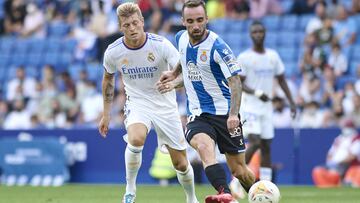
(128, 9)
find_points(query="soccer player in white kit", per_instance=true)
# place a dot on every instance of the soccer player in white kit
(213, 89)
(260, 66)
(141, 57)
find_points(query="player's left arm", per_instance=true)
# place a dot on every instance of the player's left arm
(283, 84)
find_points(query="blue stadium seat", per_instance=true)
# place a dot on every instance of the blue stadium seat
(272, 22)
(54, 44)
(355, 53)
(304, 19)
(232, 39)
(288, 39)
(236, 26)
(70, 45)
(289, 22)
(11, 73)
(271, 39)
(4, 59)
(3, 70)
(287, 54)
(74, 70)
(32, 71)
(343, 80)
(37, 46)
(18, 59)
(34, 59)
(58, 29)
(245, 41)
(66, 59)
(353, 68)
(51, 58)
(21, 46)
(219, 25)
(6, 44)
(94, 71)
(291, 69)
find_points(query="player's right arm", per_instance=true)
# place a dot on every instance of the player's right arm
(108, 89)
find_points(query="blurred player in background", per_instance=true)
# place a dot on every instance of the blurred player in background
(141, 58)
(260, 66)
(213, 89)
(342, 160)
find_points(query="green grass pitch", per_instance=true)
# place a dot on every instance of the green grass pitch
(156, 194)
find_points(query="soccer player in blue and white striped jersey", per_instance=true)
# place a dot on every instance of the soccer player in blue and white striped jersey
(211, 79)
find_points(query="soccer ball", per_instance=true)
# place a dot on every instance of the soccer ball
(264, 192)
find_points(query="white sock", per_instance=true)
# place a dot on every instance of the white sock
(186, 179)
(265, 173)
(133, 158)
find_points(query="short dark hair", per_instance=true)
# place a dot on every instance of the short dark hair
(193, 4)
(257, 22)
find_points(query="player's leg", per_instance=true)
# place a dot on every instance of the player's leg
(201, 135)
(133, 157)
(184, 172)
(253, 145)
(267, 134)
(240, 170)
(251, 131)
(137, 124)
(170, 134)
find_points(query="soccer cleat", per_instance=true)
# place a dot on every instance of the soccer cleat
(129, 198)
(220, 198)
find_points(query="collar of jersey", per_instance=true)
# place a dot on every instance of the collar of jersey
(146, 39)
(197, 44)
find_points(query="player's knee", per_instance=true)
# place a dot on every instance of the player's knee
(180, 165)
(136, 141)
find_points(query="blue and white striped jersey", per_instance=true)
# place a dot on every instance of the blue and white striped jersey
(206, 67)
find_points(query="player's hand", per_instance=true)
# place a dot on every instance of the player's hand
(232, 123)
(293, 110)
(264, 98)
(167, 76)
(164, 87)
(104, 125)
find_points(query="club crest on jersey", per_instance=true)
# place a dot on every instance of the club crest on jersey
(203, 56)
(151, 57)
(124, 63)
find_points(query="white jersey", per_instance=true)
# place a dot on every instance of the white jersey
(141, 69)
(206, 67)
(260, 70)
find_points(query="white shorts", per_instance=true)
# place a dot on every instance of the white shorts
(258, 124)
(166, 122)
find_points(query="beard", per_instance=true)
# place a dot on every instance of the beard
(198, 35)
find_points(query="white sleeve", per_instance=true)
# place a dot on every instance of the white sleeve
(241, 61)
(355, 148)
(170, 53)
(279, 65)
(108, 63)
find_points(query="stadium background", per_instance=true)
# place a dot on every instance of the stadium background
(59, 47)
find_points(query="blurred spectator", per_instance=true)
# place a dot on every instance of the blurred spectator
(67, 100)
(151, 10)
(281, 117)
(15, 12)
(18, 118)
(347, 102)
(311, 116)
(314, 57)
(35, 122)
(316, 22)
(345, 28)
(310, 90)
(216, 9)
(34, 23)
(65, 82)
(337, 60)
(325, 34)
(81, 86)
(261, 8)
(355, 114)
(300, 7)
(329, 85)
(355, 6)
(21, 87)
(342, 160)
(357, 83)
(332, 9)
(4, 110)
(91, 106)
(237, 9)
